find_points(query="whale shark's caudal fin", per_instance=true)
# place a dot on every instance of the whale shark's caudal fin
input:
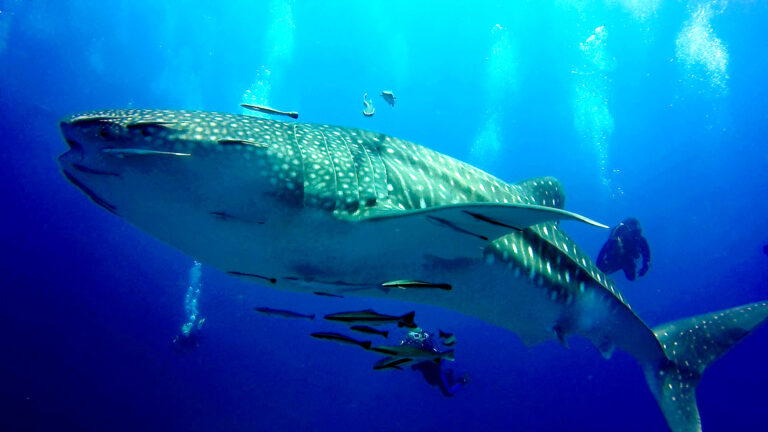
(691, 345)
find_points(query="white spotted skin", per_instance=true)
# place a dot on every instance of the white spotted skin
(296, 196)
(289, 205)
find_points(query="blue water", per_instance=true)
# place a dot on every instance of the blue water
(653, 109)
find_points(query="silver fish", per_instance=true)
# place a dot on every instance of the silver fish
(282, 313)
(268, 110)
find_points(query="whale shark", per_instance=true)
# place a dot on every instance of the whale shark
(315, 207)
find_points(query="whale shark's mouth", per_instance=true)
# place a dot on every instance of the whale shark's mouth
(73, 159)
(88, 191)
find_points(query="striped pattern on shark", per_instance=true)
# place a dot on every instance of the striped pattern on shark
(309, 207)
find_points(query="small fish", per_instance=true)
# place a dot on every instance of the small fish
(448, 338)
(370, 316)
(251, 276)
(405, 284)
(326, 294)
(391, 363)
(342, 339)
(369, 110)
(369, 330)
(268, 110)
(413, 352)
(123, 152)
(389, 97)
(282, 313)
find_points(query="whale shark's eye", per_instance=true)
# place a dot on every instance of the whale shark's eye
(109, 131)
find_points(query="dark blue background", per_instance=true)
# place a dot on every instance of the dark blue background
(89, 304)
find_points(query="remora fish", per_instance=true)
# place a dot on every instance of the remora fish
(376, 209)
(326, 294)
(413, 352)
(282, 313)
(391, 363)
(342, 339)
(389, 97)
(370, 330)
(449, 339)
(368, 109)
(370, 316)
(268, 110)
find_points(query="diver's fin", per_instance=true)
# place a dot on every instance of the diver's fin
(691, 345)
(546, 191)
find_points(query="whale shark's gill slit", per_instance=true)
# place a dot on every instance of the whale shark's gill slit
(91, 194)
(333, 165)
(478, 216)
(452, 226)
(251, 275)
(85, 169)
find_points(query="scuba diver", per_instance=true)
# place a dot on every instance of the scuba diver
(625, 244)
(189, 338)
(432, 370)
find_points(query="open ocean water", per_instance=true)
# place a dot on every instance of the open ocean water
(652, 109)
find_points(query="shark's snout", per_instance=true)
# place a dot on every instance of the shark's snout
(75, 149)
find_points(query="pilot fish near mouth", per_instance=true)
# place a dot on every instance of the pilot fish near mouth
(310, 207)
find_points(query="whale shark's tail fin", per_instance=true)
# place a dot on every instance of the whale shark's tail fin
(691, 345)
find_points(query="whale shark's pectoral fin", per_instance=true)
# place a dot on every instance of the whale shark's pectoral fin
(486, 221)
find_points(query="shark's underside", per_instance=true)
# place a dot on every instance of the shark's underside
(306, 207)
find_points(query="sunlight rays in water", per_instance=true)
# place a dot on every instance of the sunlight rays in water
(501, 72)
(640, 9)
(592, 115)
(703, 56)
(279, 45)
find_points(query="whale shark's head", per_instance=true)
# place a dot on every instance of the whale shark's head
(153, 166)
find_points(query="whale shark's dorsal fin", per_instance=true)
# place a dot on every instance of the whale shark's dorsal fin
(545, 191)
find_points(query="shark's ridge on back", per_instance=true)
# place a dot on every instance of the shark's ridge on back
(321, 208)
